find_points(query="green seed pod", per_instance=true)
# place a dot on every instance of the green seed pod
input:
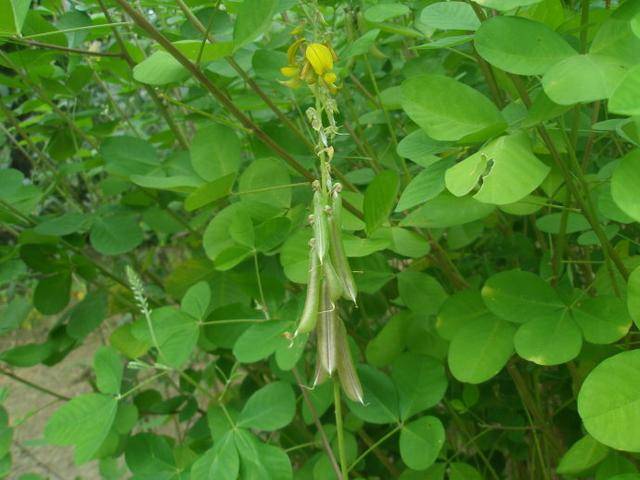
(320, 227)
(346, 370)
(336, 286)
(338, 257)
(310, 311)
(326, 333)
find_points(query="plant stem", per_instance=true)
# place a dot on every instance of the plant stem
(33, 385)
(375, 445)
(316, 420)
(50, 46)
(75, 29)
(337, 401)
(168, 118)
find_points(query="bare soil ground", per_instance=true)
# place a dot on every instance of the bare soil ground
(29, 410)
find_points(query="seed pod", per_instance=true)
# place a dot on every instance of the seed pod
(338, 257)
(346, 370)
(326, 333)
(336, 286)
(320, 227)
(310, 311)
(320, 375)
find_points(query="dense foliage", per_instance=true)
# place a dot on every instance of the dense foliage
(196, 184)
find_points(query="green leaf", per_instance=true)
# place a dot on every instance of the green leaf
(379, 199)
(260, 340)
(521, 46)
(551, 223)
(458, 310)
(389, 342)
(241, 229)
(380, 398)
(582, 78)
(196, 301)
(603, 319)
(265, 174)
(176, 334)
(210, 192)
(624, 184)
(28, 355)
(608, 399)
(520, 296)
(480, 349)
(275, 460)
(87, 315)
(584, 454)
(420, 292)
(84, 422)
(421, 383)
(116, 234)
(254, 19)
(549, 340)
(361, 45)
(362, 247)
(404, 242)
(216, 238)
(109, 369)
(447, 42)
(215, 151)
(445, 210)
(428, 184)
(385, 11)
(450, 16)
(175, 183)
(65, 224)
(220, 462)
(420, 148)
(271, 233)
(615, 37)
(13, 314)
(12, 16)
(206, 52)
(159, 69)
(421, 442)
(294, 256)
(270, 408)
(633, 296)
(125, 156)
(52, 293)
(123, 340)
(506, 168)
(463, 471)
(625, 99)
(449, 110)
(151, 455)
(506, 4)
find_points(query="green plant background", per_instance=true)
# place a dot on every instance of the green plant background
(155, 188)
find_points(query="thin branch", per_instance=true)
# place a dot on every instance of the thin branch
(51, 46)
(33, 385)
(316, 421)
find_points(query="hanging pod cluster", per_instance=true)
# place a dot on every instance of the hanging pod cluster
(330, 278)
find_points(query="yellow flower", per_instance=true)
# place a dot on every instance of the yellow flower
(330, 77)
(290, 71)
(320, 58)
(293, 50)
